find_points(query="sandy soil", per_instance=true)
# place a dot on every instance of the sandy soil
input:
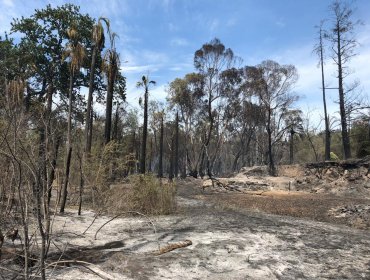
(226, 244)
(231, 239)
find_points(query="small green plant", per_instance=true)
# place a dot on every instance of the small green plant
(333, 156)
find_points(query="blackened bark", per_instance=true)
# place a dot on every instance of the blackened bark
(88, 135)
(69, 148)
(176, 163)
(291, 147)
(327, 127)
(272, 168)
(160, 163)
(145, 130)
(343, 116)
(108, 110)
(172, 156)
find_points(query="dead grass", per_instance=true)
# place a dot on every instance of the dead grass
(295, 204)
(142, 193)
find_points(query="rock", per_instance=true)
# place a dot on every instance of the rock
(206, 183)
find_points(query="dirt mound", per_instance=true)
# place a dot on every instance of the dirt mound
(349, 177)
(253, 171)
(292, 171)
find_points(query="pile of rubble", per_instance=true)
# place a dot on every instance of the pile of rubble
(358, 215)
(336, 177)
(341, 178)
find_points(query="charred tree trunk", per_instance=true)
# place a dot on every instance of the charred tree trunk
(115, 125)
(88, 122)
(291, 147)
(68, 148)
(172, 156)
(176, 163)
(327, 126)
(160, 163)
(145, 130)
(108, 109)
(272, 168)
(342, 110)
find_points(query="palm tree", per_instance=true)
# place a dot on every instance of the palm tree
(98, 41)
(144, 83)
(76, 53)
(111, 64)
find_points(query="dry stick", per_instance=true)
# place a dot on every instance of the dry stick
(61, 255)
(131, 212)
(17, 272)
(59, 261)
(82, 263)
(96, 216)
(52, 221)
(225, 186)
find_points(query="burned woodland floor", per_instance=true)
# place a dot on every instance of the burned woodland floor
(266, 233)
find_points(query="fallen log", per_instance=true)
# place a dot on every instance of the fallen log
(174, 246)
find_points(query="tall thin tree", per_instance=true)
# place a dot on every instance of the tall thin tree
(176, 155)
(98, 41)
(110, 65)
(341, 35)
(160, 162)
(76, 53)
(144, 83)
(320, 51)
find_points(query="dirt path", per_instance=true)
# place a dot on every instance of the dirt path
(226, 244)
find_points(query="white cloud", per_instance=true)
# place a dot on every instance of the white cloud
(8, 3)
(138, 69)
(280, 23)
(179, 42)
(172, 27)
(159, 93)
(153, 57)
(213, 25)
(231, 22)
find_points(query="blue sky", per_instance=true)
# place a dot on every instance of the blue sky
(160, 37)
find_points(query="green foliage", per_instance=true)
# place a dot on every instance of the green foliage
(361, 135)
(333, 156)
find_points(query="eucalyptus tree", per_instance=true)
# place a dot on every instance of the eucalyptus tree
(210, 60)
(342, 37)
(239, 123)
(185, 95)
(272, 84)
(111, 64)
(75, 52)
(145, 84)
